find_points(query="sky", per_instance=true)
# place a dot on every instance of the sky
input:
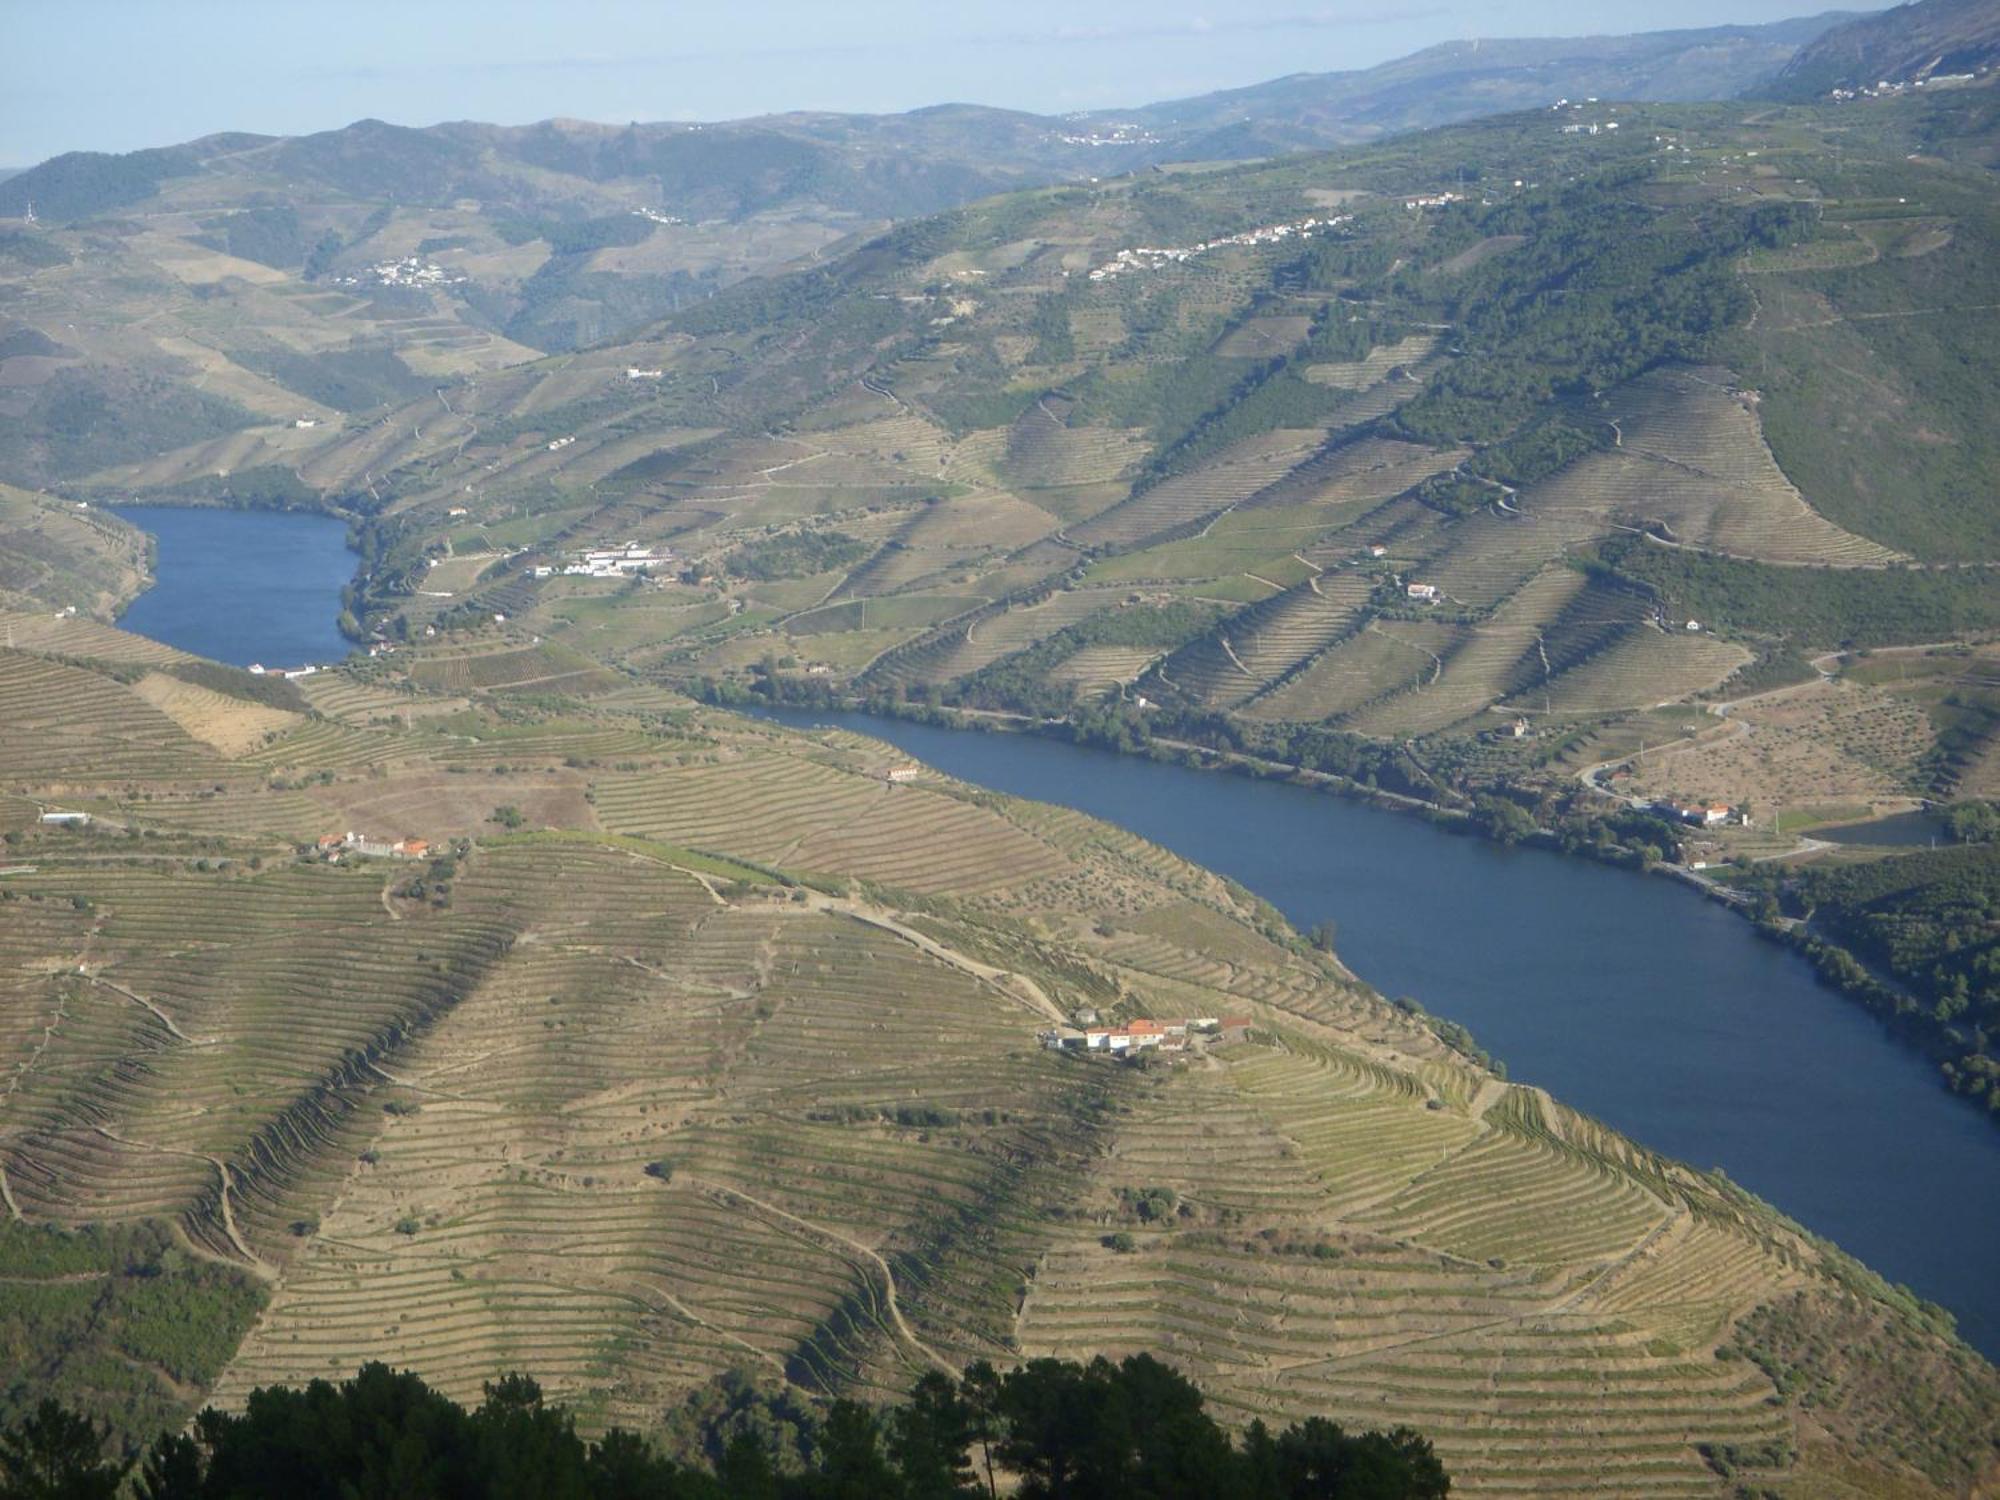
(116, 75)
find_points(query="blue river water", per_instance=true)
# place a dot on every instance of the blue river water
(244, 586)
(1627, 996)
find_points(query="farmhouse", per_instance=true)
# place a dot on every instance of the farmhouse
(1143, 1034)
(67, 819)
(333, 845)
(908, 771)
(1700, 814)
(1428, 592)
(618, 562)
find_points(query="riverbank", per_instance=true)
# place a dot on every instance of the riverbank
(1503, 823)
(1666, 1016)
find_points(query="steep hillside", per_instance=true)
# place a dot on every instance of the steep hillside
(66, 556)
(1929, 42)
(580, 1098)
(1460, 80)
(1326, 441)
(199, 291)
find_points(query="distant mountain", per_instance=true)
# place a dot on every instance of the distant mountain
(202, 289)
(1462, 80)
(1909, 45)
(894, 166)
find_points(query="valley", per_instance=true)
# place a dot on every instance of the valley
(802, 858)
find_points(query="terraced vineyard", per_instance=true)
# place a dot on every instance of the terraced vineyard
(1255, 648)
(665, 1043)
(1692, 461)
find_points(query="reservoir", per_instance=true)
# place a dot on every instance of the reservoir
(1629, 997)
(243, 586)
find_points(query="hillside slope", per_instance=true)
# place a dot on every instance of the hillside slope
(581, 1099)
(194, 292)
(1913, 44)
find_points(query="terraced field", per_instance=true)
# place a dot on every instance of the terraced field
(1363, 374)
(1043, 452)
(1544, 1319)
(781, 811)
(69, 727)
(1642, 668)
(990, 635)
(1230, 478)
(1692, 462)
(617, 1104)
(1255, 648)
(228, 725)
(1479, 667)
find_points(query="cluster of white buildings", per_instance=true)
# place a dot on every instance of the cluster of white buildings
(1129, 1038)
(1152, 257)
(1115, 135)
(1432, 200)
(1883, 88)
(633, 372)
(609, 562)
(410, 271)
(556, 444)
(658, 217)
(290, 674)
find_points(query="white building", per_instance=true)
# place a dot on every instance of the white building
(618, 562)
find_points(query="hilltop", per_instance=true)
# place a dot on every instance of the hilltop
(1928, 42)
(683, 1045)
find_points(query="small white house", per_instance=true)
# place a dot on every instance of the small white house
(1428, 592)
(67, 819)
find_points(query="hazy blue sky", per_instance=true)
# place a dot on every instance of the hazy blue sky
(113, 75)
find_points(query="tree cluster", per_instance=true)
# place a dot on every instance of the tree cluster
(1050, 1430)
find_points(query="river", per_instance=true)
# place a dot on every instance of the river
(1630, 997)
(243, 586)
